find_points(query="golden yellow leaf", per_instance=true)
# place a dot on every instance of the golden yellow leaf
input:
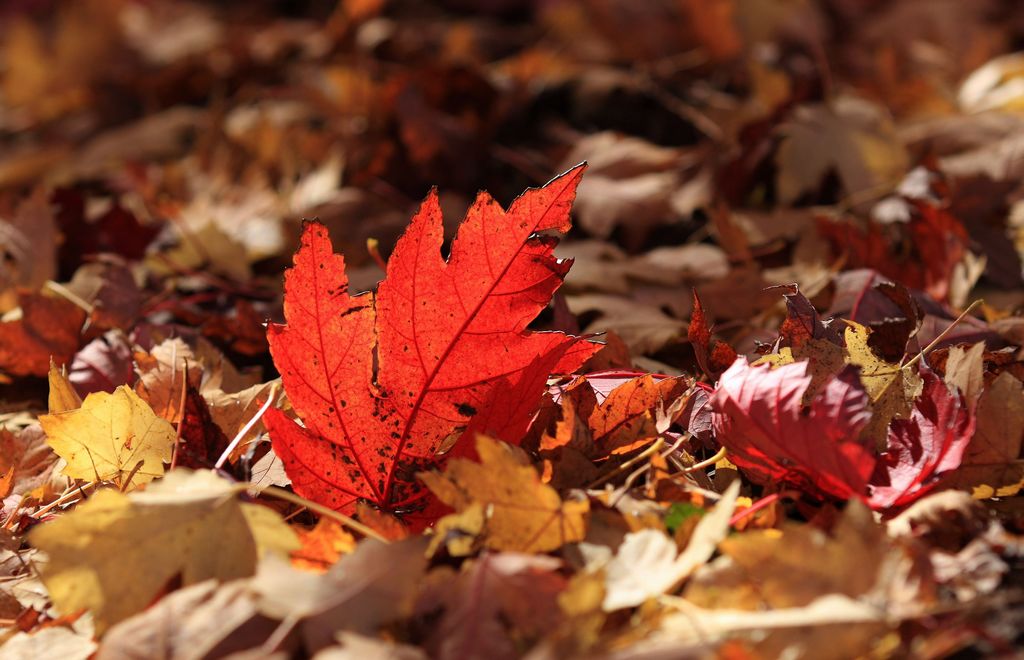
(109, 436)
(523, 514)
(63, 396)
(114, 553)
(892, 389)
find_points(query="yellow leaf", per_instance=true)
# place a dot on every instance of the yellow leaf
(63, 396)
(109, 436)
(114, 554)
(523, 514)
(271, 533)
(891, 388)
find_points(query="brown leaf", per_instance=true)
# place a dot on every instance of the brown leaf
(992, 465)
(525, 515)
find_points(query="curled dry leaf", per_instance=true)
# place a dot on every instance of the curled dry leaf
(381, 381)
(189, 524)
(111, 437)
(365, 590)
(523, 514)
(493, 605)
(713, 355)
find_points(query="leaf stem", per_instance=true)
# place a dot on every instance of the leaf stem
(181, 413)
(245, 429)
(762, 503)
(647, 453)
(944, 333)
(708, 462)
(340, 518)
(63, 498)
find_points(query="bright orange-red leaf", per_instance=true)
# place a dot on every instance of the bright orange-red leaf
(381, 381)
(714, 356)
(49, 328)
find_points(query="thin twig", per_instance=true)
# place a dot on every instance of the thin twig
(341, 518)
(647, 453)
(70, 295)
(68, 494)
(131, 475)
(942, 335)
(245, 429)
(181, 413)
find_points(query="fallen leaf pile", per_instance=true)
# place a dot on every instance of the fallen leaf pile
(726, 362)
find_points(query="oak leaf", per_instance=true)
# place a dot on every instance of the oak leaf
(113, 554)
(523, 514)
(380, 381)
(111, 437)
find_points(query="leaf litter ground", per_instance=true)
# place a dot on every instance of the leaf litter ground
(738, 375)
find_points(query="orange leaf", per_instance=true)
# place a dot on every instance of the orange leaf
(381, 381)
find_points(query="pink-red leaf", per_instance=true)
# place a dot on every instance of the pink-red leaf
(380, 382)
(924, 447)
(759, 418)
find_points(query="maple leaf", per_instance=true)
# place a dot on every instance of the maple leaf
(109, 436)
(759, 417)
(713, 356)
(626, 416)
(890, 387)
(187, 524)
(930, 443)
(522, 513)
(381, 381)
(322, 546)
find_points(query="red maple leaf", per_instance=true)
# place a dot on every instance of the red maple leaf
(922, 448)
(758, 416)
(713, 355)
(382, 381)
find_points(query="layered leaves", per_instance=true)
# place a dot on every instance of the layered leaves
(760, 418)
(115, 553)
(381, 381)
(505, 494)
